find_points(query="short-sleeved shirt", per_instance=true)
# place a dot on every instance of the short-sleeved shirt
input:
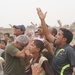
(14, 65)
(63, 60)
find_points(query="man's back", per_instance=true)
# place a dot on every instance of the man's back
(14, 65)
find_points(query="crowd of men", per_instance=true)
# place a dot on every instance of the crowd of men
(48, 52)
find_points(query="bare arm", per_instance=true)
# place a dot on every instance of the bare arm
(49, 46)
(50, 49)
(47, 33)
(20, 54)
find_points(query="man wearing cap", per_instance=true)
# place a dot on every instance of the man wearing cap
(15, 56)
(19, 30)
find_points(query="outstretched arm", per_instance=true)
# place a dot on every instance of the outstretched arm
(49, 46)
(47, 33)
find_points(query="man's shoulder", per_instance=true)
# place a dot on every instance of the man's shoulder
(10, 46)
(42, 59)
(68, 47)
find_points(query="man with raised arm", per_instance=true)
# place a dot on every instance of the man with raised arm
(15, 56)
(64, 56)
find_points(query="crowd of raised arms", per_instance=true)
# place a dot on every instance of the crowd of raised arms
(47, 52)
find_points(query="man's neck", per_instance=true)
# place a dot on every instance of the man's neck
(36, 55)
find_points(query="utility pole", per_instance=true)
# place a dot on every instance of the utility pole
(34, 26)
(10, 25)
(59, 22)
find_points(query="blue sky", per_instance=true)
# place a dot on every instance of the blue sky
(24, 12)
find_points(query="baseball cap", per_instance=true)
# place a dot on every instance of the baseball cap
(22, 27)
(24, 39)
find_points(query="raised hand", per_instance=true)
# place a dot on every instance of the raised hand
(27, 52)
(41, 14)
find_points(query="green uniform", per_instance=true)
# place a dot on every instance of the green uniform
(14, 65)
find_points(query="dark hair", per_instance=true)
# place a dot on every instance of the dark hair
(54, 30)
(4, 41)
(7, 34)
(36, 31)
(12, 38)
(47, 25)
(39, 44)
(67, 34)
(23, 31)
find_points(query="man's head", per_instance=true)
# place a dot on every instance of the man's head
(53, 31)
(22, 41)
(64, 36)
(40, 30)
(3, 44)
(36, 46)
(19, 29)
(11, 39)
(36, 34)
(6, 36)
